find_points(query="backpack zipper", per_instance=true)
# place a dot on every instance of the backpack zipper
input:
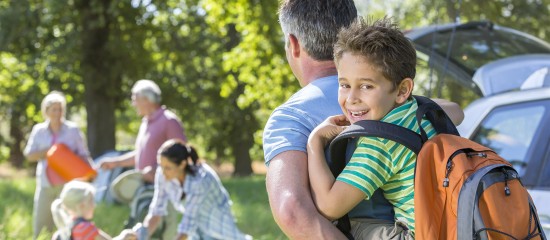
(449, 165)
(507, 191)
(447, 172)
(479, 154)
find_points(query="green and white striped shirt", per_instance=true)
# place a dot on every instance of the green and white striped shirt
(382, 163)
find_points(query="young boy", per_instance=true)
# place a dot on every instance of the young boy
(376, 67)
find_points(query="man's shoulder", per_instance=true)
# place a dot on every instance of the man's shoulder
(317, 97)
(324, 89)
(169, 115)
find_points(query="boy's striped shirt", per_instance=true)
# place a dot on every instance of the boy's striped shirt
(381, 163)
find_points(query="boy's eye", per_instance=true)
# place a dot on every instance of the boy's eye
(366, 86)
(344, 85)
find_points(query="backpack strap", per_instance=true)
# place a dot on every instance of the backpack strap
(366, 128)
(469, 217)
(370, 128)
(410, 139)
(467, 202)
(435, 114)
(537, 220)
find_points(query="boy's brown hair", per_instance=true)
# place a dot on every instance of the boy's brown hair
(382, 44)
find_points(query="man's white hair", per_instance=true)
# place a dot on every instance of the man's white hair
(147, 88)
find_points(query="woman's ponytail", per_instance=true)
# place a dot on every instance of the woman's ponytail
(177, 152)
(193, 154)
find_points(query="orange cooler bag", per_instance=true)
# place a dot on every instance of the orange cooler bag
(67, 164)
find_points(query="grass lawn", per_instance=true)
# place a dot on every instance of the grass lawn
(249, 197)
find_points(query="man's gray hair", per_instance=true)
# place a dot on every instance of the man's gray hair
(316, 23)
(147, 88)
(50, 99)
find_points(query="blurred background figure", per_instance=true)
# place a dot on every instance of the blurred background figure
(55, 129)
(157, 126)
(194, 188)
(73, 212)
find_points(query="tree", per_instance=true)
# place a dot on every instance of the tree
(82, 48)
(223, 63)
(257, 77)
(221, 67)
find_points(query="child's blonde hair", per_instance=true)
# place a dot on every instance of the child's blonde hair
(69, 205)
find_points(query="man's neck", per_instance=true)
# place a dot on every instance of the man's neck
(313, 70)
(152, 111)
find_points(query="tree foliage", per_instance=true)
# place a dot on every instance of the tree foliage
(220, 66)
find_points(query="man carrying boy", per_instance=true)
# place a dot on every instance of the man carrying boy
(310, 29)
(376, 67)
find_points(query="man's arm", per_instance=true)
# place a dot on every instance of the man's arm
(453, 110)
(125, 160)
(290, 199)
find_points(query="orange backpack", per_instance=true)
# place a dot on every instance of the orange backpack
(463, 190)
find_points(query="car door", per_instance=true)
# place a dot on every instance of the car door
(541, 191)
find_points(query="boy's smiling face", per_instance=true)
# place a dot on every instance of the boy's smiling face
(364, 93)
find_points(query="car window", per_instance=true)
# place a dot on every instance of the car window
(475, 47)
(510, 131)
(545, 176)
(434, 81)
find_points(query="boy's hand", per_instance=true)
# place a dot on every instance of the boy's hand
(329, 129)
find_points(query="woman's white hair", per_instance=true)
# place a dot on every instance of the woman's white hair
(50, 99)
(147, 88)
(73, 195)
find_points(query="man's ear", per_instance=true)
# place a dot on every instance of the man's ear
(294, 45)
(404, 90)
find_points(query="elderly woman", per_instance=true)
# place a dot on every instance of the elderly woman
(55, 129)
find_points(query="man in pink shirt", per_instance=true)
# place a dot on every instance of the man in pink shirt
(157, 126)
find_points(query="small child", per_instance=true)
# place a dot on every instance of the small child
(195, 190)
(72, 213)
(376, 67)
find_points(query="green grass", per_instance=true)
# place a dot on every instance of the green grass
(250, 206)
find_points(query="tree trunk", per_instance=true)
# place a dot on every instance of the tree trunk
(100, 81)
(244, 125)
(16, 154)
(101, 121)
(242, 142)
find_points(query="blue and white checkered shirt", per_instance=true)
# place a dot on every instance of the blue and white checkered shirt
(206, 208)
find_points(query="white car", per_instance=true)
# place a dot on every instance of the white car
(514, 120)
